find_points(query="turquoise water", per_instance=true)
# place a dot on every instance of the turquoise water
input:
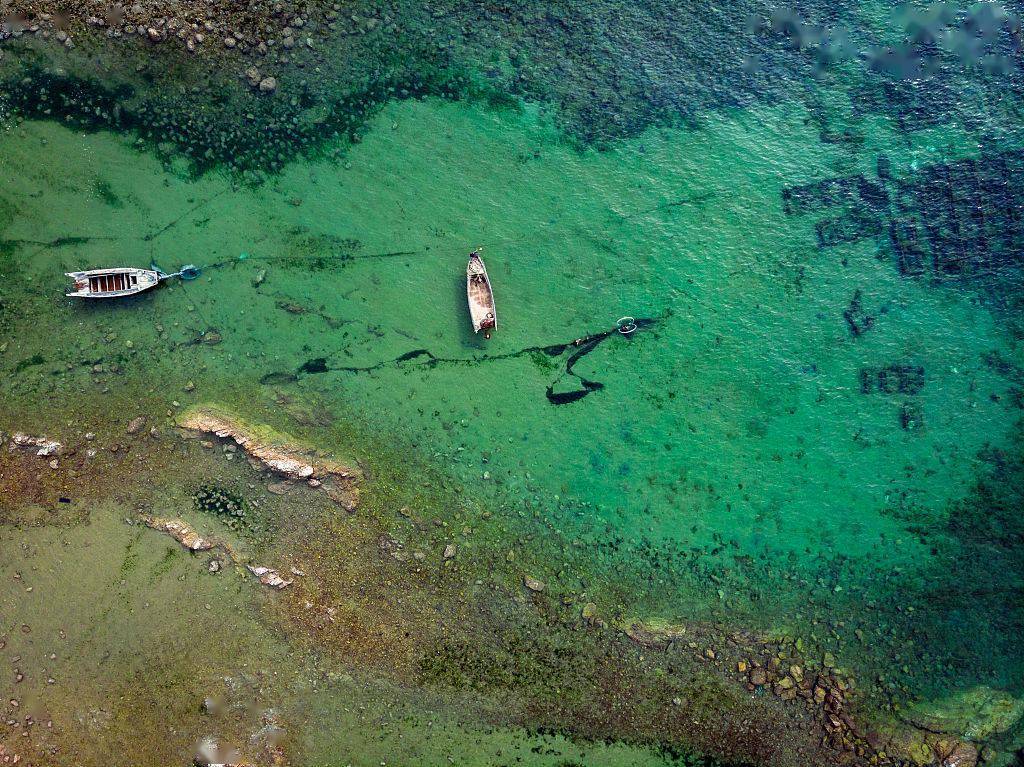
(815, 432)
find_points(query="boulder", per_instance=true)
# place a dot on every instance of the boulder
(179, 531)
(533, 584)
(269, 577)
(654, 632)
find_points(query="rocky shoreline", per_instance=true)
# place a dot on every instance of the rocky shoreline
(265, 29)
(765, 673)
(766, 664)
(281, 454)
(186, 535)
(246, 88)
(249, 86)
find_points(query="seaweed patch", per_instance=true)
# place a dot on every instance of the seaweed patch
(898, 378)
(957, 221)
(221, 502)
(857, 320)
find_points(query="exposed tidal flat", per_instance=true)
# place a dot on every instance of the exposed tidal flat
(778, 525)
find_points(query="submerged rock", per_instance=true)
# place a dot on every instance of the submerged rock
(975, 714)
(533, 584)
(184, 534)
(179, 531)
(279, 453)
(957, 754)
(654, 632)
(44, 446)
(346, 496)
(269, 577)
(280, 488)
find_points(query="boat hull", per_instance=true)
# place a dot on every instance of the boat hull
(113, 283)
(480, 296)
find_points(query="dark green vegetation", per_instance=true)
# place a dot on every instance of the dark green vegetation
(5, 320)
(106, 193)
(955, 224)
(220, 502)
(988, 530)
(28, 362)
(792, 453)
(218, 121)
(607, 70)
(592, 687)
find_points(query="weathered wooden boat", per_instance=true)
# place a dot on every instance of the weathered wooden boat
(114, 283)
(480, 295)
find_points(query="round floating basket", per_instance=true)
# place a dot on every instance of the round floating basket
(626, 325)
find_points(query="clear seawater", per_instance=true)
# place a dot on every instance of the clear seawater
(759, 454)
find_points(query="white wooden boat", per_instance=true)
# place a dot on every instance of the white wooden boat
(113, 283)
(480, 295)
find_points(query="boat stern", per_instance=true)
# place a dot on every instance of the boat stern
(81, 284)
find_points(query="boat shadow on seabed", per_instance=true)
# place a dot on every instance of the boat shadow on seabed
(577, 349)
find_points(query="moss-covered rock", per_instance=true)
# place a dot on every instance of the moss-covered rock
(975, 714)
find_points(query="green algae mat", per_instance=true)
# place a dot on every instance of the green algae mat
(779, 524)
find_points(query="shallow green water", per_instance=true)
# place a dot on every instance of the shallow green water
(753, 455)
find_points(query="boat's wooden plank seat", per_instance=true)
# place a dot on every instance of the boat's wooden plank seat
(110, 283)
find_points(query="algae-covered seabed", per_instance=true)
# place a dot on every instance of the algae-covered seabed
(812, 446)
